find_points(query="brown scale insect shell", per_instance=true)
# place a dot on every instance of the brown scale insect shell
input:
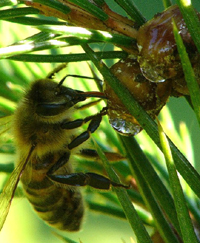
(158, 55)
(151, 96)
(179, 85)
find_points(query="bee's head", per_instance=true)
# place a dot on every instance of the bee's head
(48, 98)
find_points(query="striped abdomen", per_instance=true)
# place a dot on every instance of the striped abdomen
(60, 207)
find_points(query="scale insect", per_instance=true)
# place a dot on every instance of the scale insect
(154, 73)
(46, 140)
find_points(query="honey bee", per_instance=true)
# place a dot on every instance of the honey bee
(46, 142)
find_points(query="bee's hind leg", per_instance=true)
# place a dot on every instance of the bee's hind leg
(82, 179)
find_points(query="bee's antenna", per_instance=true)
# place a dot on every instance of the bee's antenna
(56, 70)
(76, 76)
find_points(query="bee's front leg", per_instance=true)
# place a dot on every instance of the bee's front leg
(82, 179)
(95, 121)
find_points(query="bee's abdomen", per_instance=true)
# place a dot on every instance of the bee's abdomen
(60, 207)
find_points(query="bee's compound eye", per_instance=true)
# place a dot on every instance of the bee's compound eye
(49, 109)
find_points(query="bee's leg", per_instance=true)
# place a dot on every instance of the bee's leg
(95, 121)
(83, 179)
(92, 154)
(62, 161)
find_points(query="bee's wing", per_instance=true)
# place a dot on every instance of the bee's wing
(5, 119)
(10, 187)
(5, 123)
